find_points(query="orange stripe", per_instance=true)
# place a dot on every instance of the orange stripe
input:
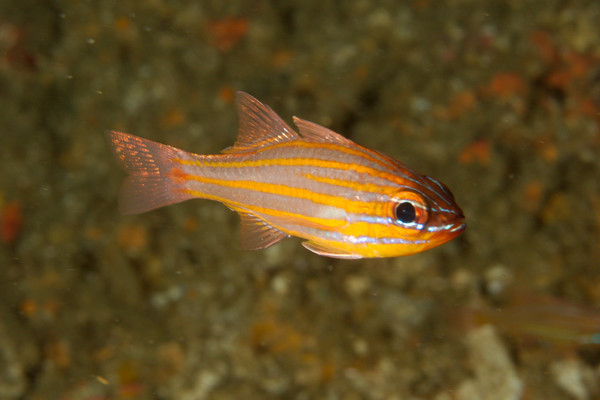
(366, 187)
(336, 225)
(360, 151)
(351, 206)
(295, 162)
(366, 153)
(315, 222)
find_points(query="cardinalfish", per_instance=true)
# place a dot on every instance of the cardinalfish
(551, 320)
(347, 201)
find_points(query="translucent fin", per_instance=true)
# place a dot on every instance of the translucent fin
(152, 181)
(257, 234)
(329, 251)
(259, 126)
(318, 133)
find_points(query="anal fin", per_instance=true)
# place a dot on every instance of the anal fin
(329, 251)
(257, 234)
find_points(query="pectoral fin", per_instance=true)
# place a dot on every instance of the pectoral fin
(257, 234)
(329, 251)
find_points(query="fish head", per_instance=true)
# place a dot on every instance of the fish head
(420, 216)
(446, 219)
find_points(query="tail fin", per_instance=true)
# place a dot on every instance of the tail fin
(152, 181)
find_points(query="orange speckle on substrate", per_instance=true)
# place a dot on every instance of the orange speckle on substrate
(59, 353)
(572, 66)
(173, 118)
(587, 106)
(557, 209)
(14, 50)
(128, 372)
(459, 104)
(122, 24)
(327, 371)
(131, 390)
(476, 152)
(228, 32)
(549, 152)
(532, 195)
(132, 237)
(104, 353)
(93, 233)
(29, 307)
(129, 382)
(226, 94)
(361, 73)
(273, 337)
(544, 45)
(281, 58)
(11, 222)
(421, 5)
(190, 224)
(171, 357)
(505, 85)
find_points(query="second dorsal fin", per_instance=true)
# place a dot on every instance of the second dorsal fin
(259, 126)
(310, 130)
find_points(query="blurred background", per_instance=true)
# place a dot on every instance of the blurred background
(500, 100)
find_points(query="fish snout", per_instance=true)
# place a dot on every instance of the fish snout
(447, 225)
(454, 226)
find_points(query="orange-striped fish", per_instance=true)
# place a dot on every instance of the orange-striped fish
(346, 200)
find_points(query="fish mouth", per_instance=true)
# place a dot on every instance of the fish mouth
(458, 227)
(452, 230)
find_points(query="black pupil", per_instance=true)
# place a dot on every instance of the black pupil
(405, 212)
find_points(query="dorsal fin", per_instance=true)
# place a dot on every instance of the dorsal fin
(310, 130)
(259, 126)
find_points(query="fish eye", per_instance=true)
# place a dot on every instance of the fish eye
(405, 212)
(410, 210)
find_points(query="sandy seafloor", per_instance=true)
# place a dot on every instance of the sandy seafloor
(500, 100)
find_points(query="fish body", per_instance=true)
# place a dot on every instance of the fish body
(547, 319)
(347, 201)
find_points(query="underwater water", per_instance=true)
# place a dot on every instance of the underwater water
(500, 101)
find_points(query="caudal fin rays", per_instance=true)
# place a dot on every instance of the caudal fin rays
(152, 181)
